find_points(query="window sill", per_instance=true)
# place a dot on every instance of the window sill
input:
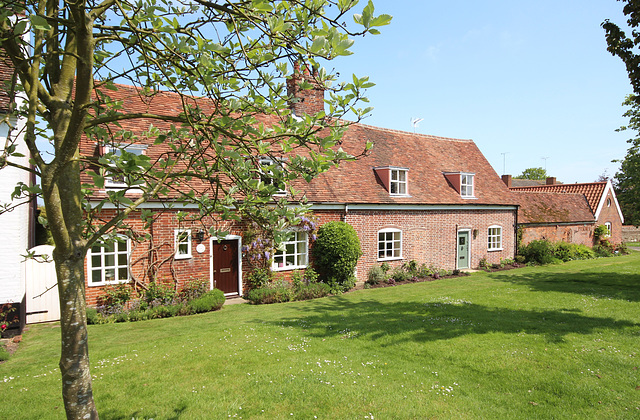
(469, 197)
(390, 259)
(108, 283)
(495, 249)
(289, 268)
(182, 257)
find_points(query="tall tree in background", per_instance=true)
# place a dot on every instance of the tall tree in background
(533, 173)
(627, 180)
(229, 57)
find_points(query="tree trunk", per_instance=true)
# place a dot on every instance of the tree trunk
(74, 356)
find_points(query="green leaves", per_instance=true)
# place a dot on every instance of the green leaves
(38, 23)
(369, 21)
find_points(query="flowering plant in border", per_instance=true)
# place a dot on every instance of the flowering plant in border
(4, 313)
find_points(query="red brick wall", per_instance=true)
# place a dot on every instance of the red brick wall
(428, 237)
(609, 213)
(431, 236)
(577, 234)
(155, 257)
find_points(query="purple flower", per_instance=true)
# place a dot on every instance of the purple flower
(266, 255)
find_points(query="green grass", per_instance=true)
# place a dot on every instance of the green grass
(542, 342)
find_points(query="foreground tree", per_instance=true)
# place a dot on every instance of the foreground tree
(533, 173)
(228, 60)
(627, 179)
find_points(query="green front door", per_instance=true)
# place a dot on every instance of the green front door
(463, 249)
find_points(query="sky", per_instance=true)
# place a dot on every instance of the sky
(531, 82)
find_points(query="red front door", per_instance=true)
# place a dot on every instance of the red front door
(225, 265)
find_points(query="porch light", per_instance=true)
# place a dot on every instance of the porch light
(200, 235)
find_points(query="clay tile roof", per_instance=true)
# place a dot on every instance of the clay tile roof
(592, 191)
(517, 182)
(542, 207)
(426, 157)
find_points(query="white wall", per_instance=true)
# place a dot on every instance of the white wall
(14, 228)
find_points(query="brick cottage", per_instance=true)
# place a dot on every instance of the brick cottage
(416, 197)
(567, 212)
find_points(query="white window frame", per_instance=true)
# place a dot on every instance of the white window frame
(395, 241)
(283, 253)
(179, 241)
(109, 183)
(467, 189)
(494, 240)
(398, 186)
(608, 226)
(104, 252)
(268, 174)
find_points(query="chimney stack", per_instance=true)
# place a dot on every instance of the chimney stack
(305, 101)
(507, 180)
(551, 180)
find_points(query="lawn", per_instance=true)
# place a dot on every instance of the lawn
(540, 342)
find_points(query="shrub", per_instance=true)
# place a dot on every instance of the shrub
(400, 274)
(622, 248)
(114, 298)
(336, 253)
(520, 259)
(539, 252)
(312, 291)
(193, 289)
(600, 232)
(411, 267)
(162, 311)
(92, 316)
(385, 267)
(272, 294)
(376, 275)
(310, 275)
(159, 294)
(483, 263)
(210, 301)
(602, 251)
(259, 277)
(424, 271)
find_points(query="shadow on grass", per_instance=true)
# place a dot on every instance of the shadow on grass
(423, 322)
(609, 285)
(119, 414)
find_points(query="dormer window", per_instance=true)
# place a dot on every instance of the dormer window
(394, 179)
(462, 182)
(466, 185)
(398, 184)
(120, 181)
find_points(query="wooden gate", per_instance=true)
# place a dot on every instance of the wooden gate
(41, 287)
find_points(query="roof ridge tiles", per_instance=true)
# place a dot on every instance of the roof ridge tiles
(429, 136)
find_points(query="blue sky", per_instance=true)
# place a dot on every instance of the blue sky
(530, 79)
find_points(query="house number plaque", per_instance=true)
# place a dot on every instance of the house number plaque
(200, 248)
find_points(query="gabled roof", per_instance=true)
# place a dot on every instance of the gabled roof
(551, 208)
(427, 159)
(595, 193)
